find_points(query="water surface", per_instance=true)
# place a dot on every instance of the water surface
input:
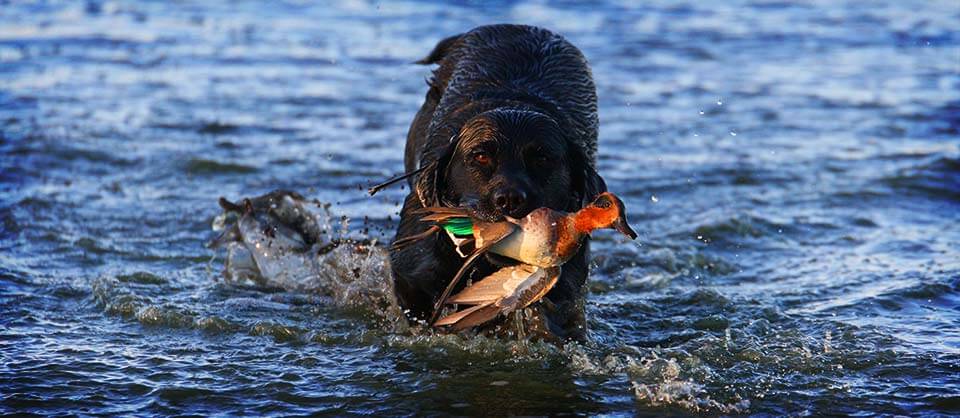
(793, 171)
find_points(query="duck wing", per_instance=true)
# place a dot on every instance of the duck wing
(406, 241)
(516, 287)
(470, 317)
(459, 222)
(454, 220)
(507, 290)
(488, 235)
(439, 214)
(438, 305)
(534, 290)
(501, 284)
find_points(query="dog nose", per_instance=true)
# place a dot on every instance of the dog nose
(509, 201)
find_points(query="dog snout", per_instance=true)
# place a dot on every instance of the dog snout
(510, 201)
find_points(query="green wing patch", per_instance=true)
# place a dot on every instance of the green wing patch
(459, 226)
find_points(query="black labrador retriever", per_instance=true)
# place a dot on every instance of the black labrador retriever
(509, 125)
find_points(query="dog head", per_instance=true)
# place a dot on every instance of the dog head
(508, 162)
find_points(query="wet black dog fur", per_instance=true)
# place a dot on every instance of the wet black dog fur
(509, 124)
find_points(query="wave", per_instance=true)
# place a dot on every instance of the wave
(939, 179)
(202, 166)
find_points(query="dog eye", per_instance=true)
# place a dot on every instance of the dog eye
(481, 158)
(539, 158)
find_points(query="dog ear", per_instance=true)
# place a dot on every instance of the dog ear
(586, 181)
(440, 51)
(432, 179)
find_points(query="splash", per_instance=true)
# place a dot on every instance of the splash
(655, 380)
(283, 240)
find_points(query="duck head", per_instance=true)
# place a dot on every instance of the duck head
(606, 211)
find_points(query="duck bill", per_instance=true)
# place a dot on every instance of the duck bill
(623, 227)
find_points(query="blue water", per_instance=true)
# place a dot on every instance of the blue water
(793, 171)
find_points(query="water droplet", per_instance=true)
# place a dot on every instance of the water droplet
(701, 112)
(654, 198)
(732, 133)
(719, 102)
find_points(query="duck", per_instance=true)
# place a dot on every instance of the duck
(541, 242)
